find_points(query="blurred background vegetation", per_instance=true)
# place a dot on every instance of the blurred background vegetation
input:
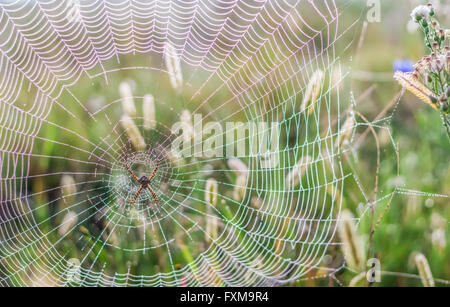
(413, 147)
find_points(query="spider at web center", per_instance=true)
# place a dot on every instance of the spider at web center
(144, 182)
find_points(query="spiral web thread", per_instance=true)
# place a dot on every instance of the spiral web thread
(257, 56)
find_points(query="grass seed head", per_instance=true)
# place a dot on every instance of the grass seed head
(69, 221)
(346, 131)
(68, 189)
(186, 119)
(126, 93)
(424, 270)
(238, 167)
(352, 242)
(411, 83)
(173, 65)
(149, 112)
(133, 132)
(240, 187)
(297, 172)
(312, 92)
(211, 191)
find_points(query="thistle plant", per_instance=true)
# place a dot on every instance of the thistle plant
(430, 80)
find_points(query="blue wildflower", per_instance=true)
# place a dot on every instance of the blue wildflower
(404, 66)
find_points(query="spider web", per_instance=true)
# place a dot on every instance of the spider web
(241, 61)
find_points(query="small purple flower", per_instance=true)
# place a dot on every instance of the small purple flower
(404, 66)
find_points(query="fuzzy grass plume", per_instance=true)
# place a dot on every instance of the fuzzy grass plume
(211, 193)
(173, 65)
(133, 132)
(297, 172)
(126, 93)
(346, 131)
(68, 189)
(238, 167)
(352, 242)
(148, 107)
(240, 187)
(68, 222)
(424, 270)
(411, 83)
(312, 92)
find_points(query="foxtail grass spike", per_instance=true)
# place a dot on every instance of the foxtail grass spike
(126, 94)
(149, 112)
(297, 172)
(424, 270)
(352, 242)
(133, 132)
(69, 221)
(238, 167)
(312, 92)
(173, 65)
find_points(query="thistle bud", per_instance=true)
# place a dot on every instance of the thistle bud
(421, 12)
(435, 24)
(431, 8)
